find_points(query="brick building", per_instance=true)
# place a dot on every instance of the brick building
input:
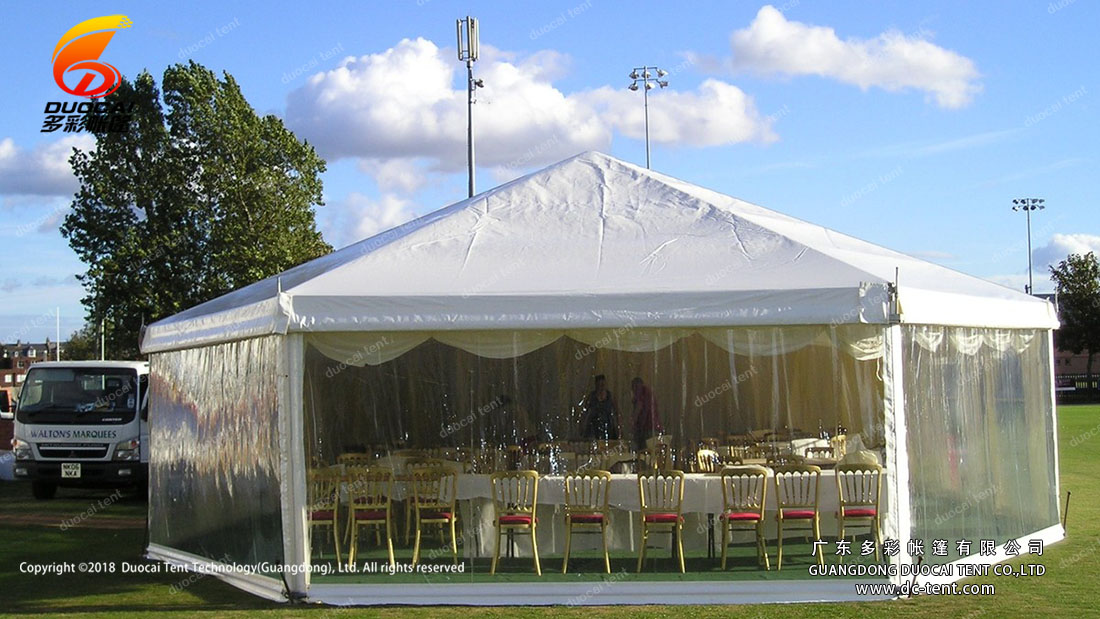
(16, 359)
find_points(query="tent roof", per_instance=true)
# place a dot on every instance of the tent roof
(593, 241)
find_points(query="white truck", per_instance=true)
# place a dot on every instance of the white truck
(82, 423)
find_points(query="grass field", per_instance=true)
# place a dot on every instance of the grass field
(105, 527)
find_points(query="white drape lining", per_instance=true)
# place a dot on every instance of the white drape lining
(861, 342)
(968, 341)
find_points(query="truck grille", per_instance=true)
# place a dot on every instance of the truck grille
(82, 451)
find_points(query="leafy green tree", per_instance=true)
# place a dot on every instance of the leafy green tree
(82, 345)
(1077, 281)
(199, 197)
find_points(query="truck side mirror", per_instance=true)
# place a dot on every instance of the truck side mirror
(5, 404)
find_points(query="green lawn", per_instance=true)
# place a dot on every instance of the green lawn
(107, 532)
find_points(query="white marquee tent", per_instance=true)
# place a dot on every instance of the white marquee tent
(949, 374)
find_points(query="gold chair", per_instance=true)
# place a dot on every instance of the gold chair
(660, 457)
(707, 461)
(586, 496)
(434, 490)
(370, 493)
(796, 494)
(859, 487)
(661, 497)
(324, 503)
(412, 463)
(514, 458)
(515, 495)
(355, 459)
(744, 493)
(758, 452)
(820, 452)
(709, 442)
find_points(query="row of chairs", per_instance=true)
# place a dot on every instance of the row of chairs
(515, 496)
(369, 498)
(712, 461)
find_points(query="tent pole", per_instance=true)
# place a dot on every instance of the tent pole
(293, 463)
(899, 525)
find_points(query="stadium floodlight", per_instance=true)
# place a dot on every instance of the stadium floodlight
(644, 75)
(1027, 205)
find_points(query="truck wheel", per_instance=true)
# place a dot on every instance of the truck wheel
(43, 491)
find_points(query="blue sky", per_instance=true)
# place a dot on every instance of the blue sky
(911, 125)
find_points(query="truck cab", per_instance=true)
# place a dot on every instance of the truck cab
(82, 423)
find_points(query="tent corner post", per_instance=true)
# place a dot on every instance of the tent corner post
(293, 463)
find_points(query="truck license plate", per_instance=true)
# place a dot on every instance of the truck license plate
(70, 470)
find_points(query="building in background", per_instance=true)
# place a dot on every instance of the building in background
(17, 358)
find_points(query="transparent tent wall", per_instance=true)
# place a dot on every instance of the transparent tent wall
(436, 395)
(980, 435)
(493, 401)
(214, 458)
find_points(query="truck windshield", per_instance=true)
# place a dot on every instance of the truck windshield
(78, 396)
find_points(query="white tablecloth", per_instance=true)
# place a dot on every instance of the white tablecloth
(702, 497)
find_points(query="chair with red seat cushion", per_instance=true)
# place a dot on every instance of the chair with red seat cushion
(858, 489)
(744, 490)
(859, 512)
(586, 496)
(515, 495)
(434, 491)
(661, 496)
(798, 514)
(796, 500)
(324, 502)
(414, 459)
(370, 492)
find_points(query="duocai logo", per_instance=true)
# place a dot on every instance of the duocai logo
(78, 52)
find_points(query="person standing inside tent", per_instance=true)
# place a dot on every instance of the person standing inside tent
(647, 422)
(601, 415)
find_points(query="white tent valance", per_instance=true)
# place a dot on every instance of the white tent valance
(969, 342)
(861, 342)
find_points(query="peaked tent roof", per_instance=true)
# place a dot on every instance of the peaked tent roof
(593, 241)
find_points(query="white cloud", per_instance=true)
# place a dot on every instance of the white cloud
(44, 170)
(403, 103)
(892, 61)
(358, 216)
(1062, 245)
(717, 113)
(400, 175)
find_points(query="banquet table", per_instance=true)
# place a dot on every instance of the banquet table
(702, 503)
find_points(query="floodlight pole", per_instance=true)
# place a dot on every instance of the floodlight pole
(468, 44)
(1027, 205)
(642, 75)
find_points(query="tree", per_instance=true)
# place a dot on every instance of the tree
(188, 204)
(1077, 281)
(82, 345)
